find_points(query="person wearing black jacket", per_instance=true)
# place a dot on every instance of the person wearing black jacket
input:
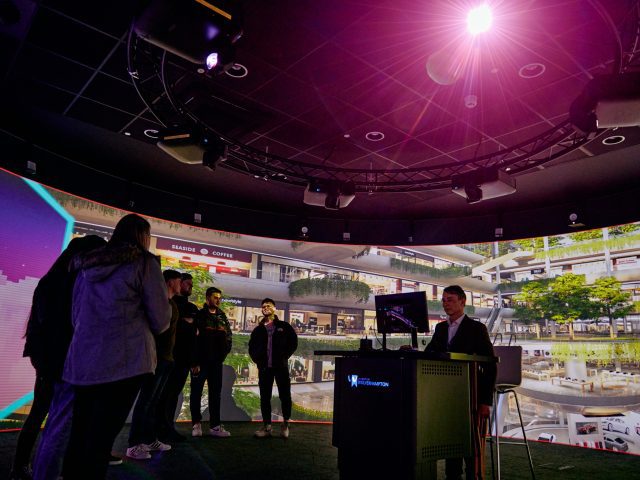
(213, 346)
(184, 357)
(48, 336)
(271, 344)
(461, 334)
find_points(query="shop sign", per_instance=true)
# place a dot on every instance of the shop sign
(238, 302)
(201, 249)
(537, 271)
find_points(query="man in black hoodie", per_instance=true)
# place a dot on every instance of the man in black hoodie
(213, 346)
(271, 344)
(184, 356)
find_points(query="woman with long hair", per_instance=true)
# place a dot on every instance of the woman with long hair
(47, 341)
(119, 304)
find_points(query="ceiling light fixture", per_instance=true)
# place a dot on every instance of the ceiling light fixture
(237, 70)
(374, 136)
(479, 19)
(532, 70)
(613, 140)
(212, 60)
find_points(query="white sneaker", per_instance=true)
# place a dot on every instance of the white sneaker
(263, 432)
(219, 431)
(138, 452)
(156, 446)
(284, 430)
(196, 430)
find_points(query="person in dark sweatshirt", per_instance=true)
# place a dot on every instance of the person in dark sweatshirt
(271, 344)
(213, 346)
(48, 336)
(143, 435)
(184, 358)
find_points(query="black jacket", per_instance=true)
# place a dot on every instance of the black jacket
(184, 350)
(471, 338)
(49, 328)
(283, 344)
(214, 337)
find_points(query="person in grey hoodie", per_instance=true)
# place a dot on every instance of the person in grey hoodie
(119, 304)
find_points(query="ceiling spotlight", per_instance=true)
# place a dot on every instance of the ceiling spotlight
(574, 222)
(479, 19)
(212, 60)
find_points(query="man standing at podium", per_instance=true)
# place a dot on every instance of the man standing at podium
(461, 334)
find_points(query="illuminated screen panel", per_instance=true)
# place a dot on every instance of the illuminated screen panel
(34, 231)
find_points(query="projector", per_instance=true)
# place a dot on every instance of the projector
(330, 194)
(608, 101)
(483, 184)
(192, 148)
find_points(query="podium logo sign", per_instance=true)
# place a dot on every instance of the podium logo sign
(355, 381)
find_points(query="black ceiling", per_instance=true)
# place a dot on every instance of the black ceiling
(321, 75)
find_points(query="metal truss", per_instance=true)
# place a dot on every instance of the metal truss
(149, 68)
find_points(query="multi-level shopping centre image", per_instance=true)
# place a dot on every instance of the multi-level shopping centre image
(323, 156)
(327, 292)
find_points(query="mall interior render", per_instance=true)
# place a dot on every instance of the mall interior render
(248, 269)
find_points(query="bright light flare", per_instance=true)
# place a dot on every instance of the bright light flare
(479, 19)
(212, 60)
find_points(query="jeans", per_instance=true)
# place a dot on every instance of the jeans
(55, 437)
(143, 421)
(212, 374)
(266, 376)
(99, 413)
(173, 389)
(42, 395)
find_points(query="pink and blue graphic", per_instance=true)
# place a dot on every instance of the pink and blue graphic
(34, 229)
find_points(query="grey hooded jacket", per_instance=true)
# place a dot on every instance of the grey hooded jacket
(119, 303)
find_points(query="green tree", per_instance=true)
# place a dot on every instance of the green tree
(610, 300)
(569, 299)
(531, 302)
(202, 280)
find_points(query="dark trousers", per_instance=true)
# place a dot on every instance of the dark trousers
(172, 391)
(42, 395)
(143, 421)
(212, 374)
(47, 463)
(99, 412)
(266, 376)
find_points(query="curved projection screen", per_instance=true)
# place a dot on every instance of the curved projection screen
(326, 292)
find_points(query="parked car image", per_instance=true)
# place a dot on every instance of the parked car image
(586, 428)
(615, 443)
(547, 437)
(615, 424)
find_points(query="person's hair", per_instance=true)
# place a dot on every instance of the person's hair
(131, 229)
(76, 246)
(185, 276)
(171, 275)
(211, 290)
(268, 300)
(456, 290)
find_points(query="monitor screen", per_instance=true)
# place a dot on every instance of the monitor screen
(402, 312)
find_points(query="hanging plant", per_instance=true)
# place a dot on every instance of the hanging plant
(433, 272)
(330, 285)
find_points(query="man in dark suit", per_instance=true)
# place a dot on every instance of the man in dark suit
(460, 334)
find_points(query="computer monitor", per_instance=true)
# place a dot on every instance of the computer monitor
(402, 313)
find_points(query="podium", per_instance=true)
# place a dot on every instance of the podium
(397, 412)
